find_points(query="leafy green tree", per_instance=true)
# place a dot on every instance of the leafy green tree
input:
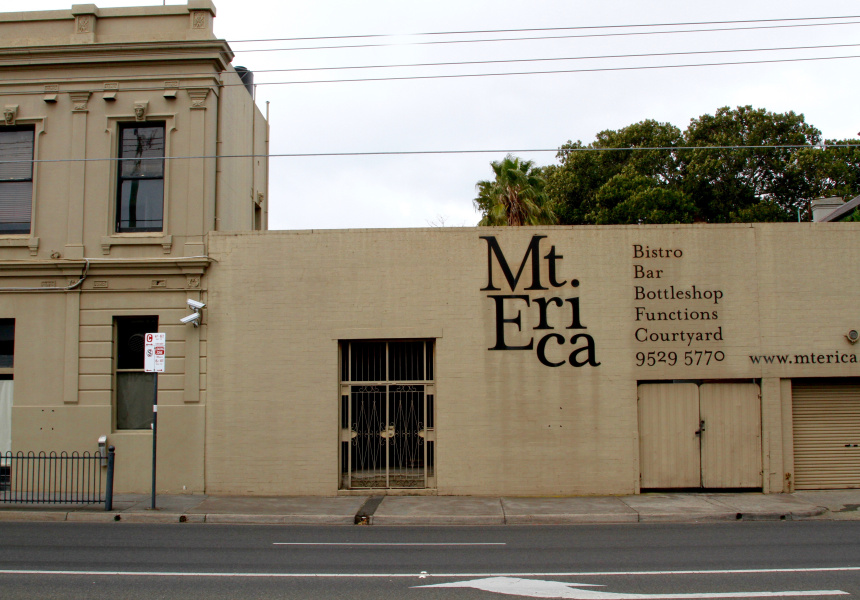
(632, 198)
(730, 177)
(715, 171)
(589, 186)
(516, 196)
(834, 167)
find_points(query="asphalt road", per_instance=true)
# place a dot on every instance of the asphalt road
(609, 562)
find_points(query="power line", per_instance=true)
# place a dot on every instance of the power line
(524, 30)
(466, 75)
(556, 71)
(150, 53)
(473, 62)
(548, 37)
(591, 57)
(476, 62)
(820, 147)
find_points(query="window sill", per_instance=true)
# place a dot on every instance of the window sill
(137, 239)
(19, 241)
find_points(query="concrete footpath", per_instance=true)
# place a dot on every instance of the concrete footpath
(453, 510)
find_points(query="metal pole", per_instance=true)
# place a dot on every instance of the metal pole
(109, 485)
(154, 434)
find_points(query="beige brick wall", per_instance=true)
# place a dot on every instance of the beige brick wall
(505, 422)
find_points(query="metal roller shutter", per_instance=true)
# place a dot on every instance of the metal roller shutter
(826, 436)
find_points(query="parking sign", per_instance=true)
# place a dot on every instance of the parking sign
(155, 349)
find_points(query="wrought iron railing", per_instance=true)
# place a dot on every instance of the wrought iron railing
(57, 478)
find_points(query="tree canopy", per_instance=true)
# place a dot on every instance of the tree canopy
(737, 165)
(516, 196)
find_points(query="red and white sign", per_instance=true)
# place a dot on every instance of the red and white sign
(154, 352)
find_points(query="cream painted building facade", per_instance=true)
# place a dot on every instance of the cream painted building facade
(521, 361)
(557, 360)
(113, 118)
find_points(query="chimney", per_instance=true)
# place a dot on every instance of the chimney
(821, 207)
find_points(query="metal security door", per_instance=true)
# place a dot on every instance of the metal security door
(387, 429)
(826, 421)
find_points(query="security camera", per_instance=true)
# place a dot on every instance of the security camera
(194, 304)
(193, 319)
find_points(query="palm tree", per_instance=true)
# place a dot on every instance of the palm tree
(516, 196)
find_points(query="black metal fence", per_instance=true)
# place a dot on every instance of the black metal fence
(57, 478)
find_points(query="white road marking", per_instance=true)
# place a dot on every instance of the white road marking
(389, 544)
(537, 588)
(417, 575)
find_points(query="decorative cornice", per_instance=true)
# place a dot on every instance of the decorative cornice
(118, 53)
(79, 101)
(198, 97)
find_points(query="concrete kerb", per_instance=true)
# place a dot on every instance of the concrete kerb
(33, 515)
(459, 510)
(279, 519)
(566, 519)
(567, 510)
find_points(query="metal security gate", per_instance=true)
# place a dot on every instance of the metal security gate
(826, 420)
(386, 412)
(704, 436)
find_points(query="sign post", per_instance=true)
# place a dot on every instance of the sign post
(155, 346)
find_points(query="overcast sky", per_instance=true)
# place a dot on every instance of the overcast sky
(504, 113)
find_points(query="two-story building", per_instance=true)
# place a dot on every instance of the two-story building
(110, 181)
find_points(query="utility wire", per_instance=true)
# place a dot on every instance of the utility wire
(548, 37)
(472, 62)
(465, 75)
(525, 30)
(85, 48)
(557, 71)
(819, 147)
(552, 59)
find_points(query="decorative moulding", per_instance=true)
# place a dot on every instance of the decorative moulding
(52, 91)
(165, 241)
(79, 101)
(20, 242)
(140, 108)
(198, 97)
(10, 113)
(171, 88)
(111, 89)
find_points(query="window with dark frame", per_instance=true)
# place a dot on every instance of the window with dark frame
(140, 180)
(7, 343)
(134, 387)
(16, 179)
(7, 361)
